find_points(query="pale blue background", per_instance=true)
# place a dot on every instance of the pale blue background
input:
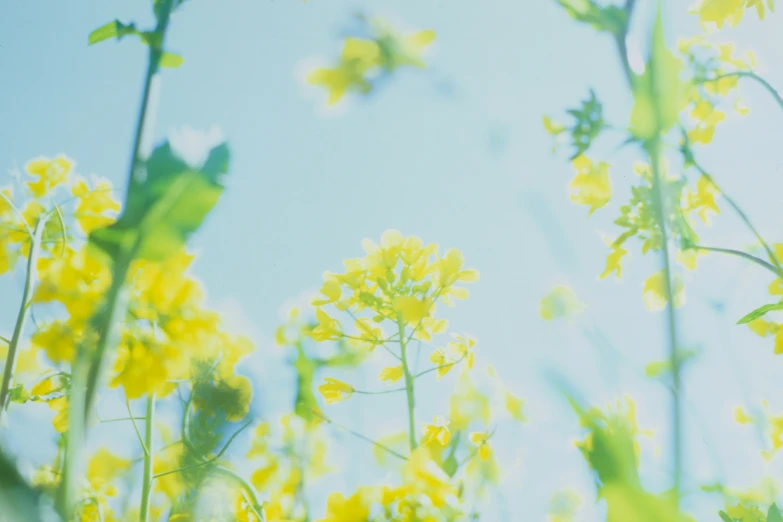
(455, 154)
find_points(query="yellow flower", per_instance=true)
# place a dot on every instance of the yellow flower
(391, 374)
(720, 12)
(358, 57)
(655, 297)
(50, 173)
(94, 204)
(741, 416)
(58, 340)
(47, 386)
(356, 508)
(328, 329)
(443, 362)
(560, 303)
(514, 406)
(467, 404)
(591, 186)
(60, 407)
(462, 348)
(103, 468)
(335, 391)
(438, 432)
(412, 309)
(481, 439)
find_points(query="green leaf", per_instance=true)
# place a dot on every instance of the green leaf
(724, 516)
(610, 19)
(774, 514)
(171, 60)
(167, 201)
(589, 124)
(760, 312)
(18, 394)
(115, 29)
(659, 94)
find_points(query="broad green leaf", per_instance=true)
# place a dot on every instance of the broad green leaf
(171, 60)
(659, 94)
(760, 312)
(167, 201)
(774, 514)
(115, 29)
(724, 516)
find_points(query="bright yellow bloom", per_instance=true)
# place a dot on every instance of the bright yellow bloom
(328, 329)
(438, 432)
(103, 468)
(443, 362)
(614, 262)
(412, 309)
(391, 374)
(356, 508)
(94, 204)
(60, 407)
(462, 348)
(335, 391)
(560, 303)
(50, 173)
(481, 439)
(655, 297)
(591, 186)
(741, 416)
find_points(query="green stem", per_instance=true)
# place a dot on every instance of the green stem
(146, 485)
(90, 365)
(744, 255)
(749, 74)
(738, 210)
(409, 391)
(248, 489)
(24, 311)
(671, 319)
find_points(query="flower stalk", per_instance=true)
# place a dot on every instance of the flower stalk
(24, 312)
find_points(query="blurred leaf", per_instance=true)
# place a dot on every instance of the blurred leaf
(19, 502)
(115, 29)
(171, 60)
(724, 516)
(760, 312)
(659, 93)
(589, 124)
(774, 514)
(167, 201)
(610, 19)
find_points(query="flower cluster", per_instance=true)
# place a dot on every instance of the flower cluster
(364, 60)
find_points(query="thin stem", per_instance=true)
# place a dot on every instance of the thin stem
(208, 461)
(749, 74)
(409, 391)
(249, 490)
(135, 427)
(146, 485)
(384, 392)
(671, 319)
(436, 368)
(24, 311)
(744, 217)
(739, 253)
(359, 435)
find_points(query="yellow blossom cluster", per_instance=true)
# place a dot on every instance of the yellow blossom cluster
(364, 60)
(731, 12)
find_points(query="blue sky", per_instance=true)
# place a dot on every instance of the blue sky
(454, 154)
